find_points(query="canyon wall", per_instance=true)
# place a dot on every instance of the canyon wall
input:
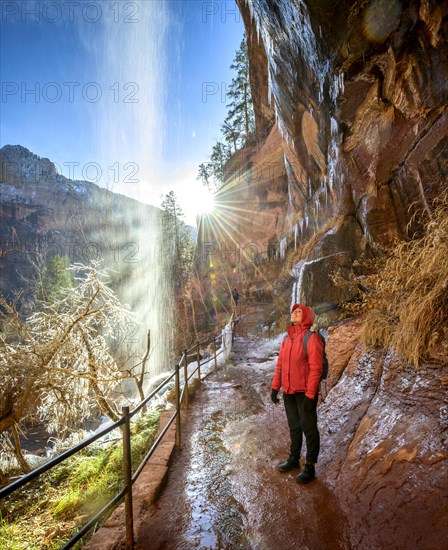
(351, 150)
(352, 142)
(44, 214)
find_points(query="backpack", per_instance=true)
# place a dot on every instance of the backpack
(324, 358)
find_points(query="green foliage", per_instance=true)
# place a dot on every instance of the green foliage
(55, 277)
(205, 174)
(56, 505)
(171, 208)
(240, 122)
(238, 126)
(220, 155)
(178, 240)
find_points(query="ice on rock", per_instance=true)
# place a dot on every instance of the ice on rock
(283, 246)
(297, 272)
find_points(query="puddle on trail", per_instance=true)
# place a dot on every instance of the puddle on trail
(216, 515)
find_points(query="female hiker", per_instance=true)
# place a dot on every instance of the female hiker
(298, 373)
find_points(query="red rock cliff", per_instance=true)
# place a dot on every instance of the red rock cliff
(358, 151)
(359, 94)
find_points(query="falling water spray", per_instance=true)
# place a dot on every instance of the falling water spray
(128, 57)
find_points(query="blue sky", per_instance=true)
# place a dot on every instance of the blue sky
(128, 94)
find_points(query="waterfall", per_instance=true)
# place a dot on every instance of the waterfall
(297, 272)
(283, 246)
(127, 53)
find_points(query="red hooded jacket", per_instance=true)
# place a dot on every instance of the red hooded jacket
(298, 371)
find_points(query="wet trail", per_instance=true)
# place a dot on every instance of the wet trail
(224, 490)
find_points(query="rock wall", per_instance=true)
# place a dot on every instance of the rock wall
(359, 92)
(384, 436)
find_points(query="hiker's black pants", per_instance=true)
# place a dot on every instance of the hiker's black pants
(302, 422)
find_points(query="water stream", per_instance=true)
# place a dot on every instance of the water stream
(128, 54)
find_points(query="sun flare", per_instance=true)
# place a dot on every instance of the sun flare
(206, 201)
(196, 201)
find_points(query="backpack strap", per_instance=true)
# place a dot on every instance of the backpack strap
(283, 341)
(321, 381)
(306, 340)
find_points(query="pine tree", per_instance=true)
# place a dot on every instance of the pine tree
(238, 126)
(205, 174)
(180, 262)
(178, 233)
(240, 121)
(55, 278)
(220, 155)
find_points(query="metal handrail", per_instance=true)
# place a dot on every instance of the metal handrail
(12, 487)
(124, 420)
(153, 447)
(86, 528)
(15, 485)
(151, 395)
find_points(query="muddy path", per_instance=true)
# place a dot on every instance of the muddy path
(224, 490)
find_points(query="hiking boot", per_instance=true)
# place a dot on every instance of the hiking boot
(307, 475)
(289, 464)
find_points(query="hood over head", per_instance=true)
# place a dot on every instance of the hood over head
(307, 315)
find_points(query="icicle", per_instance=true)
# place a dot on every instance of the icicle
(270, 89)
(297, 272)
(336, 86)
(294, 288)
(283, 246)
(334, 127)
(323, 189)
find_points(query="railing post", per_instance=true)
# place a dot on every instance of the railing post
(214, 347)
(127, 465)
(186, 379)
(177, 398)
(198, 358)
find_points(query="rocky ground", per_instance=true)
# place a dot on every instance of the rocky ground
(381, 476)
(224, 490)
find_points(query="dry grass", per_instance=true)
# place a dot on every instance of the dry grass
(408, 309)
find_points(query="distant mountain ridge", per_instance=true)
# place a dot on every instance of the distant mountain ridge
(24, 170)
(43, 211)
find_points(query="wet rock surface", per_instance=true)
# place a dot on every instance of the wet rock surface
(384, 433)
(224, 490)
(359, 91)
(381, 475)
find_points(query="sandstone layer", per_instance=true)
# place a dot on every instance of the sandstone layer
(384, 429)
(359, 91)
(354, 96)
